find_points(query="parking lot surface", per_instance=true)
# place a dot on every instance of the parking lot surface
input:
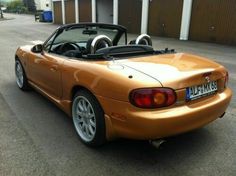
(37, 138)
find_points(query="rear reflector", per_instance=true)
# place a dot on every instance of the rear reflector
(226, 79)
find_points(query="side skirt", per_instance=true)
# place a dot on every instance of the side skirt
(65, 105)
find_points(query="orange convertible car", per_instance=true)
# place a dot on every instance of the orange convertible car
(112, 88)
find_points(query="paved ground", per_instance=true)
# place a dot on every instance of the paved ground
(36, 138)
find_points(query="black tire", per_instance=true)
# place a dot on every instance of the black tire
(22, 84)
(99, 136)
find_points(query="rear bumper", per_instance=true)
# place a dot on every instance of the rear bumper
(125, 120)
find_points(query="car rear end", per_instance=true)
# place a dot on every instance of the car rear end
(188, 99)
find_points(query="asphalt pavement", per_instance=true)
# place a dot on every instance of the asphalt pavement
(37, 138)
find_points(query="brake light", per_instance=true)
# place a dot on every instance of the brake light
(153, 97)
(226, 79)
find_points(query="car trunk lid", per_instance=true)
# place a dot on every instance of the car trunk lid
(177, 71)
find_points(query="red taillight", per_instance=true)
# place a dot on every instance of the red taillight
(226, 79)
(153, 97)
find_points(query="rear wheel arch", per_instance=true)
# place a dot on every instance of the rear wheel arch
(80, 92)
(78, 88)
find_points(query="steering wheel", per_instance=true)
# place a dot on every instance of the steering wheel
(68, 46)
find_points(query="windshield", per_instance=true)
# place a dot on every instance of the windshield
(95, 40)
(80, 36)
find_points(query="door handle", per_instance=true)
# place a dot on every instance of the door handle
(54, 68)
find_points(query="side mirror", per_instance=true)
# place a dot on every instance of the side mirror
(37, 48)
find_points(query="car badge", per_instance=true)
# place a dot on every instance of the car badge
(207, 78)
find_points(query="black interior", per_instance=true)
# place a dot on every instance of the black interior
(102, 48)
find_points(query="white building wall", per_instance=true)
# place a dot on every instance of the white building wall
(38, 4)
(43, 4)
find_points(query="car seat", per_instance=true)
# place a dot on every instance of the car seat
(100, 41)
(142, 39)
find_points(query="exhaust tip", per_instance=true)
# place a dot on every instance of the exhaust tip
(157, 143)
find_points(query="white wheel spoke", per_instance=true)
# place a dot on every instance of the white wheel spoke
(80, 106)
(80, 120)
(92, 123)
(19, 74)
(91, 129)
(91, 116)
(87, 130)
(79, 113)
(83, 127)
(21, 79)
(88, 108)
(84, 105)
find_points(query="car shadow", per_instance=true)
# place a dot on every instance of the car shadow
(184, 144)
(171, 157)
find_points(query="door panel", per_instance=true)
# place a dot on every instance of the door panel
(85, 11)
(165, 18)
(70, 11)
(213, 21)
(130, 15)
(57, 12)
(45, 72)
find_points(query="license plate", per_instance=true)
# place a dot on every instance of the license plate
(195, 92)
